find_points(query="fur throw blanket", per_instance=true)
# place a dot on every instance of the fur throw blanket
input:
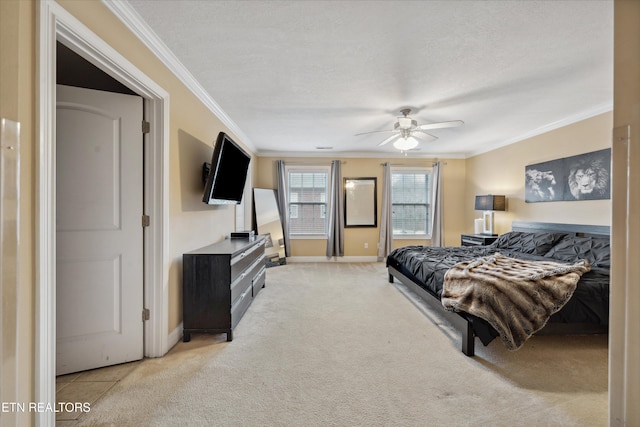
(517, 297)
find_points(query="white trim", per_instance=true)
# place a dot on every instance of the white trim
(335, 154)
(55, 23)
(574, 118)
(308, 237)
(137, 25)
(45, 325)
(426, 170)
(299, 259)
(412, 169)
(310, 168)
(175, 335)
(411, 237)
(157, 234)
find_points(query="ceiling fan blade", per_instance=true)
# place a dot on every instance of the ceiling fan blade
(391, 138)
(420, 134)
(375, 131)
(442, 125)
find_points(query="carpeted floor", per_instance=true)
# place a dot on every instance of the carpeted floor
(335, 344)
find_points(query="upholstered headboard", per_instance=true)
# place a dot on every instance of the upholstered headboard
(575, 229)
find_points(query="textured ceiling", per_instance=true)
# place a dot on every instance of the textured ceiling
(296, 75)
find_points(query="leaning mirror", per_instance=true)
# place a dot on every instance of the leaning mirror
(268, 223)
(360, 199)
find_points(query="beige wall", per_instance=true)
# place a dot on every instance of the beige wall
(453, 178)
(17, 89)
(501, 171)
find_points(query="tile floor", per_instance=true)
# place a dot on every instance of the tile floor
(87, 386)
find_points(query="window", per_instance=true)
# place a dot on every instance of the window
(307, 189)
(411, 202)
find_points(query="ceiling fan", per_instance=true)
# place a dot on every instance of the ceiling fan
(406, 129)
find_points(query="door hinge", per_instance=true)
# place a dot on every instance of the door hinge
(146, 220)
(146, 314)
(146, 126)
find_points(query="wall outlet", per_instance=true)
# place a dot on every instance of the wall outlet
(366, 246)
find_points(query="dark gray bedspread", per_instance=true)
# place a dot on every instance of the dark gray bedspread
(426, 266)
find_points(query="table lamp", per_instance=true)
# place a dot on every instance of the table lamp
(488, 204)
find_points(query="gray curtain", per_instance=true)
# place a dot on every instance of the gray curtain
(436, 201)
(386, 226)
(283, 205)
(335, 212)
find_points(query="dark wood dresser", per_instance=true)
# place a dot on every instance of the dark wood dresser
(219, 282)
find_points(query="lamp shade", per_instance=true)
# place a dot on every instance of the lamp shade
(405, 144)
(490, 203)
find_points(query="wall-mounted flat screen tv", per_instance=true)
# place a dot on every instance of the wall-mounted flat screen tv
(227, 173)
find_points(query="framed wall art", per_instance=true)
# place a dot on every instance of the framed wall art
(582, 177)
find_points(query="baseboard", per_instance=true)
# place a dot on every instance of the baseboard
(174, 336)
(294, 259)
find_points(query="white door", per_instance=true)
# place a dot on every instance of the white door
(99, 251)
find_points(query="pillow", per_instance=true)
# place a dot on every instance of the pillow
(596, 250)
(527, 242)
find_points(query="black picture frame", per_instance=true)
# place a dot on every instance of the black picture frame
(360, 202)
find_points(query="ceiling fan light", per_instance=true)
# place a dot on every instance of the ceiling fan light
(404, 144)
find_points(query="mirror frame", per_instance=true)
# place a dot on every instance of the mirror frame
(361, 207)
(272, 230)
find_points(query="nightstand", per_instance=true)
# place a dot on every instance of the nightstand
(477, 239)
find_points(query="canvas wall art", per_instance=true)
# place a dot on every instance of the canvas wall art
(582, 177)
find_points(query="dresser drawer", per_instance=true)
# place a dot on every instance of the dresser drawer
(258, 265)
(244, 279)
(241, 261)
(240, 306)
(240, 285)
(259, 280)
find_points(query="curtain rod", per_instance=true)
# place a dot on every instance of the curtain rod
(312, 163)
(411, 164)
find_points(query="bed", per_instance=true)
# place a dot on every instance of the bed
(576, 254)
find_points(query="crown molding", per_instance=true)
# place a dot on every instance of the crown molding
(330, 154)
(136, 24)
(574, 118)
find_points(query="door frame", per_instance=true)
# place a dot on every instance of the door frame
(56, 24)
